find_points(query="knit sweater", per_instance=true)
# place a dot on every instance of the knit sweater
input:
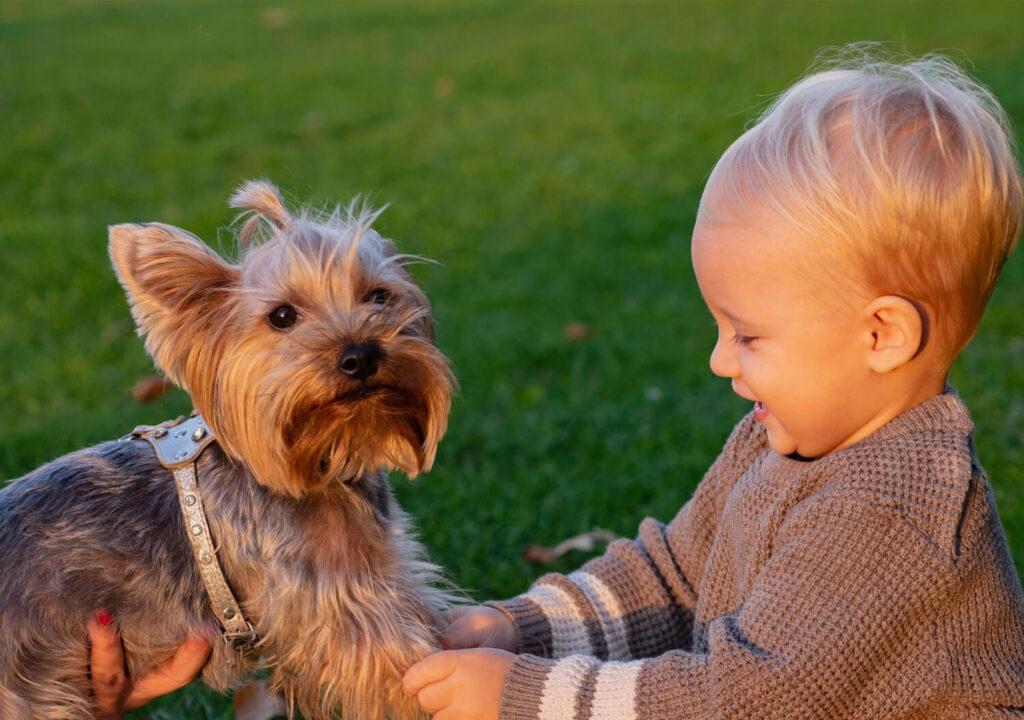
(874, 582)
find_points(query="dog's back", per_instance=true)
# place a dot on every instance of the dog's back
(97, 529)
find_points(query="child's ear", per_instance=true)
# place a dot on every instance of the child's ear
(177, 287)
(899, 331)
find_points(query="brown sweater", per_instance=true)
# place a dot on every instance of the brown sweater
(875, 582)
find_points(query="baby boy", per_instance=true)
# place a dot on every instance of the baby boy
(843, 556)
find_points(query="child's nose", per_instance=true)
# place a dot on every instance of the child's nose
(723, 359)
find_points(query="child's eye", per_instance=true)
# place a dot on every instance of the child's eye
(743, 340)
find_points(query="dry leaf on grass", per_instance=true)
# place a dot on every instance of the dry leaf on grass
(255, 702)
(444, 86)
(585, 541)
(275, 18)
(151, 388)
(576, 331)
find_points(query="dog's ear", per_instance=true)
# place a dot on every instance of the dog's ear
(180, 291)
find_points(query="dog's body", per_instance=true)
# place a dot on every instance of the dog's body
(312, 362)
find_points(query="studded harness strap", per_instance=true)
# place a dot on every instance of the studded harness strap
(178, 444)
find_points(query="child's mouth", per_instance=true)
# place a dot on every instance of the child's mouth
(760, 411)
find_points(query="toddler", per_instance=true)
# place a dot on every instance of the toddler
(843, 556)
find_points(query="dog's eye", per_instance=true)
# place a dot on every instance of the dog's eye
(378, 296)
(283, 317)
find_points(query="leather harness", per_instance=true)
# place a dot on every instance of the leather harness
(178, 444)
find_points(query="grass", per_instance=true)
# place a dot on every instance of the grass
(550, 156)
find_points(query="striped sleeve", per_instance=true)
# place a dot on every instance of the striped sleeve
(575, 687)
(632, 602)
(831, 629)
(572, 614)
(637, 599)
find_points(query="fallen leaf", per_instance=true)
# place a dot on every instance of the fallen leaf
(576, 331)
(444, 86)
(585, 541)
(151, 388)
(275, 17)
(254, 701)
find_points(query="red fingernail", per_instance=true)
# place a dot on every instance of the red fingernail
(104, 618)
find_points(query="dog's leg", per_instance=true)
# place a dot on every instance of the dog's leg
(45, 677)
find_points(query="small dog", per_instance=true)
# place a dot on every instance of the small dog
(312, 367)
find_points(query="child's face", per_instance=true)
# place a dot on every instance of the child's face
(785, 342)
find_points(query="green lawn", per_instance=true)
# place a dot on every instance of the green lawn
(550, 157)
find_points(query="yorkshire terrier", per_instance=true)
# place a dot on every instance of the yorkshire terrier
(312, 367)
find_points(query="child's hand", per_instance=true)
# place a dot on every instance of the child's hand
(459, 684)
(480, 626)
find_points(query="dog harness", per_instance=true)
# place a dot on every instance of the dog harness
(178, 444)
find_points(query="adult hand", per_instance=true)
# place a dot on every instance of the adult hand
(114, 693)
(479, 626)
(459, 684)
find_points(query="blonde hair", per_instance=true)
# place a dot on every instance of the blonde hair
(903, 170)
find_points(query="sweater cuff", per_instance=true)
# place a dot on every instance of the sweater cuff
(524, 688)
(533, 630)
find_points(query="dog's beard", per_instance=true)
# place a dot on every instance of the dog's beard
(392, 420)
(303, 424)
(361, 431)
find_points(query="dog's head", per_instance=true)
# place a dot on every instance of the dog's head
(311, 357)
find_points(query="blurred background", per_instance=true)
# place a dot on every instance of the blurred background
(549, 156)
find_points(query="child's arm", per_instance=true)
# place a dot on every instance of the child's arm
(636, 600)
(833, 610)
(831, 628)
(590, 611)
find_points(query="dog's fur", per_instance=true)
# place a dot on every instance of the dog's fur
(308, 533)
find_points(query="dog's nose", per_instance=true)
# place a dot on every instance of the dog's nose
(360, 361)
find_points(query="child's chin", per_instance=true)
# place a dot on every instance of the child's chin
(781, 442)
